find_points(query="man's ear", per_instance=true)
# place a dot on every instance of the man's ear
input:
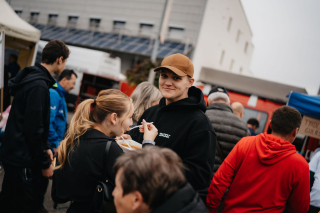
(295, 132)
(60, 60)
(191, 81)
(241, 114)
(62, 80)
(138, 201)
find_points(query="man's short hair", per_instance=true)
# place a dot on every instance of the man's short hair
(285, 119)
(253, 122)
(155, 172)
(53, 50)
(66, 74)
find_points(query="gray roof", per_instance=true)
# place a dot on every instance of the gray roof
(248, 85)
(110, 41)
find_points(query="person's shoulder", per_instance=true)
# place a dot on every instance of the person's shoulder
(38, 83)
(246, 141)
(54, 94)
(316, 157)
(299, 161)
(214, 113)
(151, 110)
(200, 121)
(155, 107)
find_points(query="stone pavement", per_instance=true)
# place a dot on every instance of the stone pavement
(48, 202)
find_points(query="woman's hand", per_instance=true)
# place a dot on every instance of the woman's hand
(149, 130)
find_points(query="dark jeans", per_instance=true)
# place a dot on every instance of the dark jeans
(313, 209)
(23, 189)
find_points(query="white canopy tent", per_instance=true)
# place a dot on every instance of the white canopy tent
(20, 35)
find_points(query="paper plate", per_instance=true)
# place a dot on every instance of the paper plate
(124, 147)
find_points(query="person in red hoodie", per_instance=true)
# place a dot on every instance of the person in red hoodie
(264, 173)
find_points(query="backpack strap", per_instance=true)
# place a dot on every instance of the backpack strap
(106, 159)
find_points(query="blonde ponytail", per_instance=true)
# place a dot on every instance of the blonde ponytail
(79, 124)
(87, 114)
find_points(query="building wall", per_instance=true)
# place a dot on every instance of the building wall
(215, 37)
(184, 13)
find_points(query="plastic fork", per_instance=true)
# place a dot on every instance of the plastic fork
(138, 126)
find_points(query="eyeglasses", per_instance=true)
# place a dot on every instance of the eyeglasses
(73, 82)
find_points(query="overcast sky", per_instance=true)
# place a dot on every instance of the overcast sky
(286, 39)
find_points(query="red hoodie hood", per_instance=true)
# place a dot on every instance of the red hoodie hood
(272, 149)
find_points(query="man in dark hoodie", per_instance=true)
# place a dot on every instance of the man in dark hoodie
(151, 180)
(181, 121)
(264, 172)
(25, 152)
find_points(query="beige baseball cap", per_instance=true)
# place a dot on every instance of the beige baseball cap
(177, 63)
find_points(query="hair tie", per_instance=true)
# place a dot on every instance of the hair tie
(93, 104)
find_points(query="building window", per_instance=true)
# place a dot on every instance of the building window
(94, 23)
(72, 21)
(222, 56)
(34, 16)
(18, 12)
(246, 47)
(146, 28)
(52, 19)
(231, 65)
(119, 25)
(229, 24)
(176, 32)
(238, 36)
(240, 70)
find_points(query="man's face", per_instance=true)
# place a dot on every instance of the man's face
(174, 87)
(68, 85)
(124, 204)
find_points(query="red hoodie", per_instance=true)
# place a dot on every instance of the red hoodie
(265, 174)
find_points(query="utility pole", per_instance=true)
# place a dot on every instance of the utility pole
(162, 27)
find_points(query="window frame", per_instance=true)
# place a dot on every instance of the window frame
(182, 29)
(50, 15)
(120, 27)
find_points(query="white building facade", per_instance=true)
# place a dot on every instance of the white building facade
(217, 29)
(224, 41)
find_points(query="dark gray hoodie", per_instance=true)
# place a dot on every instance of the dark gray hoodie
(26, 135)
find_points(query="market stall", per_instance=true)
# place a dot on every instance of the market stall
(309, 107)
(20, 35)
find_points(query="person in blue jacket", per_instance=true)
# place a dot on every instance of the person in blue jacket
(58, 107)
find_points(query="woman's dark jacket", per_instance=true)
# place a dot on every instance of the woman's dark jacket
(185, 200)
(78, 179)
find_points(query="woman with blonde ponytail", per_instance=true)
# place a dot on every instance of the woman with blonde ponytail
(81, 154)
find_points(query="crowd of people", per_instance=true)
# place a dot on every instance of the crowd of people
(194, 156)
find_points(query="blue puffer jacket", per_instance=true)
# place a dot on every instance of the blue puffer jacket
(58, 116)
